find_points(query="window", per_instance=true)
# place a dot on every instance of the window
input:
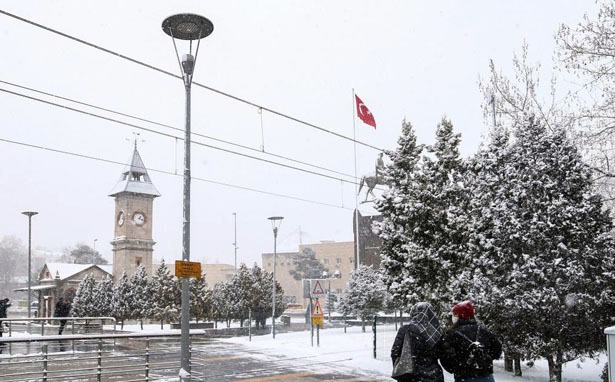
(338, 260)
(139, 260)
(351, 260)
(325, 261)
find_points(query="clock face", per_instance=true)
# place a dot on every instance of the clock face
(138, 218)
(120, 218)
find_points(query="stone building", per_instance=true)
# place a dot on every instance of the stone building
(134, 197)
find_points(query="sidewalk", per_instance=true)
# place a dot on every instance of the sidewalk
(353, 351)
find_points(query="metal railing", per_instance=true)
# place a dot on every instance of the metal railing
(104, 357)
(39, 324)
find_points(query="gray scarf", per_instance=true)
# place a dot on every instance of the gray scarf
(424, 317)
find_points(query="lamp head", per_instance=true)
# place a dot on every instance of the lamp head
(187, 26)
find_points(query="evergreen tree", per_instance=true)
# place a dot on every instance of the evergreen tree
(221, 308)
(103, 296)
(200, 298)
(120, 303)
(139, 300)
(366, 293)
(162, 291)
(307, 266)
(401, 174)
(425, 221)
(543, 250)
(84, 301)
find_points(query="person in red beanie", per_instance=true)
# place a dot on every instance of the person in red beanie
(469, 347)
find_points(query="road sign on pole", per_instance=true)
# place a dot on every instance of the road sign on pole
(318, 290)
(317, 314)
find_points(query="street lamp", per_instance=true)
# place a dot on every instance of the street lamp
(95, 240)
(29, 214)
(275, 224)
(188, 27)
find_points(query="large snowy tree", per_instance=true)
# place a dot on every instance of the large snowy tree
(424, 219)
(541, 247)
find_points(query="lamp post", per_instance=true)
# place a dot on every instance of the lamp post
(275, 224)
(188, 27)
(95, 240)
(235, 242)
(29, 214)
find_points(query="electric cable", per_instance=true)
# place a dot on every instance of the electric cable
(149, 66)
(172, 127)
(64, 152)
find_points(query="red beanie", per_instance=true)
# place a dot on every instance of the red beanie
(464, 310)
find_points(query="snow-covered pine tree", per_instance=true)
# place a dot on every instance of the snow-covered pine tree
(220, 306)
(200, 298)
(365, 295)
(425, 222)
(140, 301)
(162, 289)
(261, 298)
(400, 173)
(103, 294)
(546, 247)
(120, 303)
(84, 301)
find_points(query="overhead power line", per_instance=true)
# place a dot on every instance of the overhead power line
(90, 157)
(135, 61)
(158, 124)
(175, 137)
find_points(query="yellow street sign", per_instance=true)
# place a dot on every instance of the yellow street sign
(188, 269)
(317, 320)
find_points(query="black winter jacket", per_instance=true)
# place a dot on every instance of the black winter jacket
(455, 349)
(426, 364)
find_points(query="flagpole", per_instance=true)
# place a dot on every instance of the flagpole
(356, 181)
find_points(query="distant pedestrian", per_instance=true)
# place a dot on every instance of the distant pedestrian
(4, 304)
(62, 310)
(469, 347)
(422, 351)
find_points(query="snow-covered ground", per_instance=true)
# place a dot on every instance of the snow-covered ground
(353, 350)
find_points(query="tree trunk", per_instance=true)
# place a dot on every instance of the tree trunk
(518, 372)
(363, 324)
(508, 362)
(555, 367)
(161, 324)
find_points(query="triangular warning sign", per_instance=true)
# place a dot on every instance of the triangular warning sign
(317, 309)
(318, 289)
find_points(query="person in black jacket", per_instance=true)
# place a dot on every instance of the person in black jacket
(4, 304)
(469, 347)
(62, 310)
(425, 336)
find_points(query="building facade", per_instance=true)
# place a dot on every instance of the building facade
(337, 258)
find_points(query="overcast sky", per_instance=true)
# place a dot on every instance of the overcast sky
(417, 60)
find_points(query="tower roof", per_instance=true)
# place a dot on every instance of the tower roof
(134, 178)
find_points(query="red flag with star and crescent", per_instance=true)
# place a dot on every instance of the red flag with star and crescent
(364, 113)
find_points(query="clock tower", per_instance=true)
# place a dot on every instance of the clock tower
(134, 196)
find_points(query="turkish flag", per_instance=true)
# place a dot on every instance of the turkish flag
(364, 113)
